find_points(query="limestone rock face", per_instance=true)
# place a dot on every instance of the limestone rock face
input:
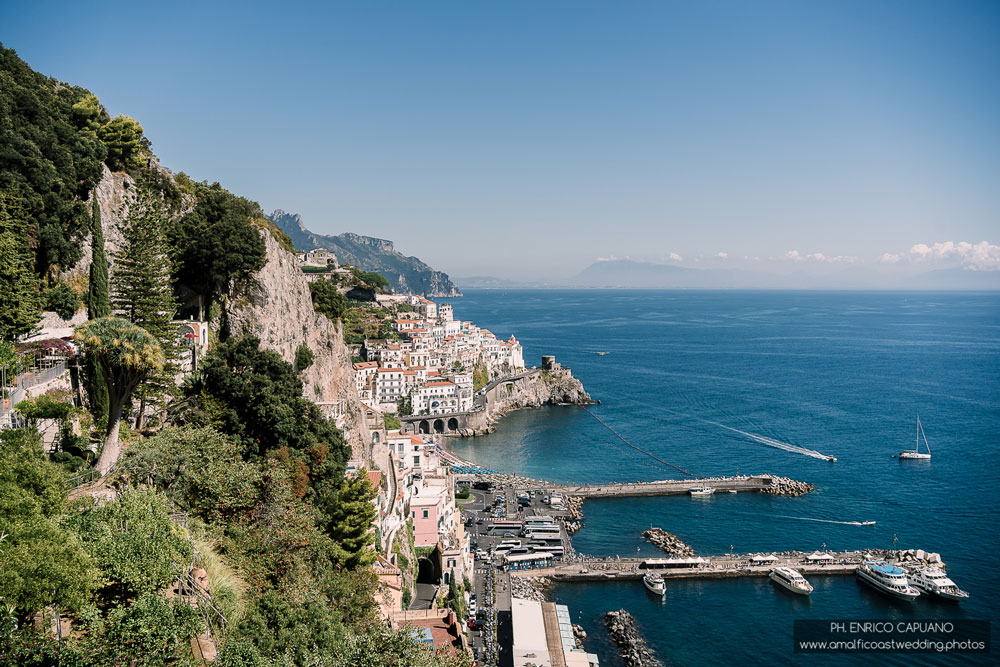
(545, 388)
(277, 308)
(114, 193)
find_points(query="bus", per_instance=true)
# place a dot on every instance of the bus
(539, 520)
(557, 551)
(541, 532)
(510, 528)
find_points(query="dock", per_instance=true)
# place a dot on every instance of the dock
(772, 484)
(711, 567)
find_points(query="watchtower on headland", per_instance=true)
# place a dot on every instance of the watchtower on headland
(549, 363)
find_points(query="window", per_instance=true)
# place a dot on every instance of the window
(425, 514)
(416, 460)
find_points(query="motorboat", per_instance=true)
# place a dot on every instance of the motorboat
(915, 453)
(934, 580)
(791, 580)
(887, 578)
(654, 583)
(701, 491)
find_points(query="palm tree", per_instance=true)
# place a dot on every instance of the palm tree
(127, 354)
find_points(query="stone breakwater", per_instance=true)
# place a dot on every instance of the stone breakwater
(784, 486)
(622, 628)
(574, 515)
(668, 542)
(529, 588)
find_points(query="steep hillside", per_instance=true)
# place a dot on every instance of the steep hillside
(277, 308)
(405, 274)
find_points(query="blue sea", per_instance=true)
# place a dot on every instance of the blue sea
(843, 373)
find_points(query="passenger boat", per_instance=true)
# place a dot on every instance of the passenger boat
(654, 583)
(915, 453)
(701, 491)
(791, 580)
(886, 578)
(934, 580)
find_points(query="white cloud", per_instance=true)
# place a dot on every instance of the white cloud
(610, 258)
(722, 255)
(796, 256)
(674, 257)
(982, 256)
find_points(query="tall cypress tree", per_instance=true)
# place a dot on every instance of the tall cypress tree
(141, 289)
(98, 306)
(98, 303)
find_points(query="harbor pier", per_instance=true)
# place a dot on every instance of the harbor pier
(772, 484)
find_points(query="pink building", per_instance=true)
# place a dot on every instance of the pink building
(425, 510)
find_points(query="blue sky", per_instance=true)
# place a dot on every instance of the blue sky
(526, 139)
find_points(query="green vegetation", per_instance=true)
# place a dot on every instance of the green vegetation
(463, 493)
(217, 245)
(370, 279)
(480, 376)
(125, 143)
(303, 357)
(327, 299)
(404, 406)
(62, 299)
(391, 422)
(21, 303)
(98, 296)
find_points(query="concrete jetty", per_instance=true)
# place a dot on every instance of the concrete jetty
(714, 567)
(772, 484)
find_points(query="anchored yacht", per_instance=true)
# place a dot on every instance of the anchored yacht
(934, 580)
(654, 583)
(886, 578)
(915, 453)
(791, 580)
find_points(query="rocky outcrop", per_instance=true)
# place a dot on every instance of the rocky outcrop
(783, 486)
(623, 631)
(529, 588)
(668, 542)
(405, 274)
(277, 308)
(531, 390)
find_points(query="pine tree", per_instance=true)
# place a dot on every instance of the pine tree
(141, 289)
(19, 291)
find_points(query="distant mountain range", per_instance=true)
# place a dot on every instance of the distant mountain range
(405, 274)
(630, 274)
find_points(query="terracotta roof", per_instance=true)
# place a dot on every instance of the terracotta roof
(415, 440)
(390, 370)
(439, 384)
(375, 477)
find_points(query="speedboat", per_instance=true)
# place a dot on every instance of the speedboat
(701, 491)
(791, 580)
(915, 453)
(887, 578)
(934, 580)
(654, 583)
(831, 458)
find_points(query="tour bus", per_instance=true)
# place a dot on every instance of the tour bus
(556, 550)
(540, 531)
(512, 528)
(539, 520)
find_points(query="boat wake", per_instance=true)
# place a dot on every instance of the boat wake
(844, 523)
(771, 442)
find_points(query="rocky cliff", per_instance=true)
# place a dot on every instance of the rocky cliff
(405, 274)
(277, 308)
(556, 387)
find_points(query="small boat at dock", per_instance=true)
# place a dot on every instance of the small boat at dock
(934, 580)
(654, 583)
(915, 453)
(887, 578)
(701, 491)
(791, 580)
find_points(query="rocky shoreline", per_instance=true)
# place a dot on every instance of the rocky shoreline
(574, 517)
(623, 631)
(668, 542)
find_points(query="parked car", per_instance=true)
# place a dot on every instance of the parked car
(475, 624)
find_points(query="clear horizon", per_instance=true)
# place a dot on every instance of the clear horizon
(526, 141)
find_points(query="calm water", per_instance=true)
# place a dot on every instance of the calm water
(841, 373)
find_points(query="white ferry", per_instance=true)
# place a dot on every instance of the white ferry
(791, 580)
(934, 580)
(701, 491)
(654, 583)
(886, 578)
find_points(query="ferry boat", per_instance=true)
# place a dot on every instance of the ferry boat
(886, 578)
(791, 580)
(654, 583)
(915, 453)
(701, 491)
(934, 580)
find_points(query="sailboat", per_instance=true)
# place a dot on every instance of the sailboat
(915, 453)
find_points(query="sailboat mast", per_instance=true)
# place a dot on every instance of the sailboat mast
(926, 444)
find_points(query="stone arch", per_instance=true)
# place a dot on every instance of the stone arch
(439, 426)
(452, 424)
(428, 572)
(375, 437)
(425, 426)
